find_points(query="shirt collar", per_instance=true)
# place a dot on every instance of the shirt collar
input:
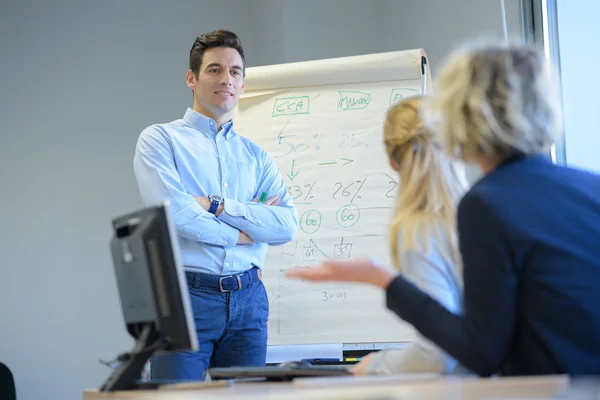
(207, 125)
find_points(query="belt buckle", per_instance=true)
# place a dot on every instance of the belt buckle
(239, 281)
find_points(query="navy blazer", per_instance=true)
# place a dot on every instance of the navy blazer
(529, 236)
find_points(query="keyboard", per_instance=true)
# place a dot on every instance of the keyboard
(278, 373)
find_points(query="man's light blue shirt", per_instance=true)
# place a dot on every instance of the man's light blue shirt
(188, 157)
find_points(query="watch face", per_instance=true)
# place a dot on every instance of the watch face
(214, 197)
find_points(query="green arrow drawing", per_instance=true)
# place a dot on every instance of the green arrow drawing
(292, 175)
(317, 247)
(347, 161)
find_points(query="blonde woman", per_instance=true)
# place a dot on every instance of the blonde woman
(423, 240)
(529, 230)
(422, 233)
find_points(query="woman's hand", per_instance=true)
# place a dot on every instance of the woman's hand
(360, 270)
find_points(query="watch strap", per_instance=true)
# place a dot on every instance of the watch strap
(214, 205)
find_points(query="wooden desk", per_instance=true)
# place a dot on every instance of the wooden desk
(388, 388)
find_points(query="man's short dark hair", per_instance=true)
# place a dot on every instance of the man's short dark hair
(209, 40)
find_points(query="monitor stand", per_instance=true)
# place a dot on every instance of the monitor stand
(126, 376)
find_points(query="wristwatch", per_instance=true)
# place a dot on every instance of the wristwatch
(215, 201)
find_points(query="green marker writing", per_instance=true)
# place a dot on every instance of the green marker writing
(263, 197)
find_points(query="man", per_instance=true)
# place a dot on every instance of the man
(213, 179)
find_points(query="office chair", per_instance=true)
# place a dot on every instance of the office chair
(7, 384)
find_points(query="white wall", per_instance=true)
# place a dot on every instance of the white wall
(313, 29)
(79, 81)
(440, 25)
(578, 34)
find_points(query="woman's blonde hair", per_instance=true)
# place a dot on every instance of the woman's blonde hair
(497, 101)
(430, 184)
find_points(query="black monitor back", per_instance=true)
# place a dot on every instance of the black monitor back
(150, 277)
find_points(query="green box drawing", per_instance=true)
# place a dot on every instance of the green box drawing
(350, 100)
(400, 94)
(291, 106)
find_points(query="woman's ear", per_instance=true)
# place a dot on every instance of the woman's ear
(393, 164)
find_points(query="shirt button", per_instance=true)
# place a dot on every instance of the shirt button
(226, 243)
(225, 184)
(227, 264)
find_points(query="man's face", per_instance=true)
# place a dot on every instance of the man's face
(220, 81)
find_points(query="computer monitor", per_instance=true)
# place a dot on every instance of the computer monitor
(152, 289)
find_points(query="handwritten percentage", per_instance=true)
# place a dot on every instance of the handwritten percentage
(310, 188)
(361, 185)
(348, 190)
(366, 139)
(317, 136)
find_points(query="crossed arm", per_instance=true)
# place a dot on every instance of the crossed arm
(237, 223)
(244, 238)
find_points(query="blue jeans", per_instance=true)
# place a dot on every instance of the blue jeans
(232, 331)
